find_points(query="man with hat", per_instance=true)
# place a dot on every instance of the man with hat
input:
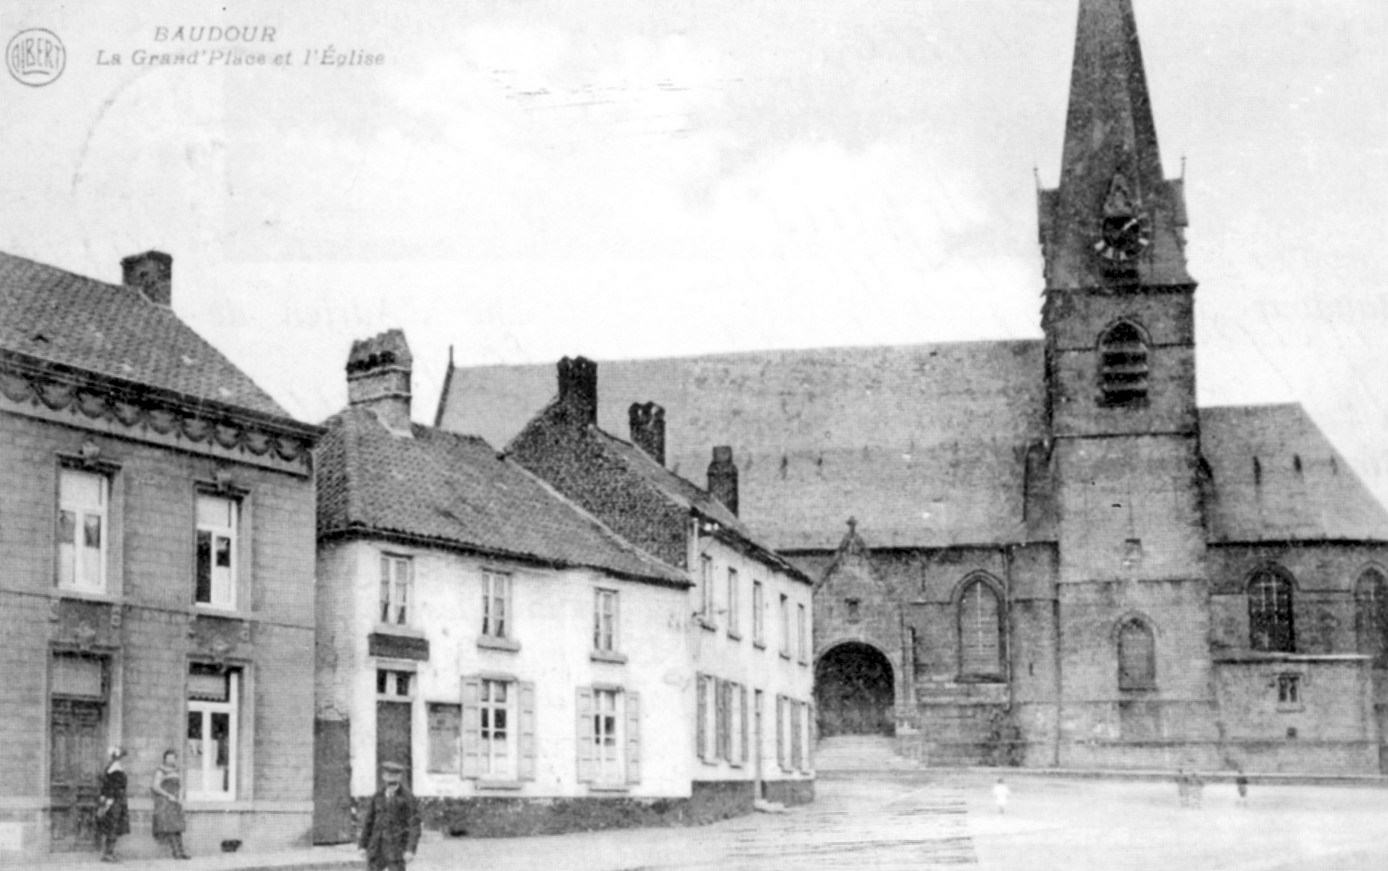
(390, 829)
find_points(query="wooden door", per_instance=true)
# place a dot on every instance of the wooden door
(393, 737)
(74, 774)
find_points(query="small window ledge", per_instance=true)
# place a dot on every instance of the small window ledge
(398, 629)
(609, 787)
(86, 595)
(735, 636)
(611, 656)
(759, 645)
(785, 655)
(707, 623)
(489, 642)
(500, 784)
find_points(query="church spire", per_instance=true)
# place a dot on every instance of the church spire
(1114, 220)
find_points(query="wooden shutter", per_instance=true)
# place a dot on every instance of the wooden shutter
(720, 701)
(472, 727)
(633, 713)
(781, 731)
(701, 723)
(586, 762)
(812, 726)
(526, 760)
(796, 745)
(744, 755)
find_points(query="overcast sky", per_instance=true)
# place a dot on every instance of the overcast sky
(526, 179)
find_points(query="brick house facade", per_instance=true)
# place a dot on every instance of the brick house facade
(158, 589)
(1053, 556)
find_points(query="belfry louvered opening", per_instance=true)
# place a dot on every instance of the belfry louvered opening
(1123, 366)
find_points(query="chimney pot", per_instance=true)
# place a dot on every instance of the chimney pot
(648, 429)
(722, 477)
(378, 378)
(151, 273)
(578, 389)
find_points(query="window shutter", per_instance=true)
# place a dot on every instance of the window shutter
(586, 762)
(795, 743)
(472, 727)
(720, 699)
(527, 731)
(633, 705)
(813, 728)
(744, 755)
(781, 731)
(701, 722)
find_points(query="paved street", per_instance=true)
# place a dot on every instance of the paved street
(924, 819)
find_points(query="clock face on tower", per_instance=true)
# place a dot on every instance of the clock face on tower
(1122, 237)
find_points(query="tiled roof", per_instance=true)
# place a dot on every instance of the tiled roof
(111, 330)
(1278, 478)
(924, 444)
(454, 490)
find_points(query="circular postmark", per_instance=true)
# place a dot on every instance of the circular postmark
(35, 57)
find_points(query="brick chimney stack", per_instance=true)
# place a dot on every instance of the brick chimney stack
(648, 429)
(151, 273)
(378, 378)
(578, 389)
(722, 477)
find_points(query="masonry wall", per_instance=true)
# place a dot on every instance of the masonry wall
(146, 629)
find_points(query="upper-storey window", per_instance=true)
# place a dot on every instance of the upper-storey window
(82, 526)
(1270, 624)
(980, 631)
(397, 578)
(1123, 367)
(496, 605)
(1371, 616)
(215, 583)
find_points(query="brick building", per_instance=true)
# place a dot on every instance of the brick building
(1052, 555)
(156, 534)
(527, 664)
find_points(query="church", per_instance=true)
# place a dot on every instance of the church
(1043, 552)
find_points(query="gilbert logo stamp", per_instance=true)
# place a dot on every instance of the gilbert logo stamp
(35, 57)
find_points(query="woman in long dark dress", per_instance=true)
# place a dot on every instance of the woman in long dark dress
(112, 813)
(168, 807)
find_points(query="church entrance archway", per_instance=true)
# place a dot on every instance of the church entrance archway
(854, 691)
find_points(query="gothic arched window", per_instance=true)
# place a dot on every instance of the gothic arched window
(1137, 656)
(1123, 367)
(1270, 624)
(1371, 616)
(980, 631)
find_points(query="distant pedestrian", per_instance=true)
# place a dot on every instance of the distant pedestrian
(1000, 795)
(390, 829)
(167, 788)
(1183, 787)
(1197, 789)
(112, 812)
(1241, 781)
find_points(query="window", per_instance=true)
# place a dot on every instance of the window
(496, 605)
(706, 718)
(786, 742)
(1270, 612)
(396, 581)
(1137, 665)
(498, 729)
(1123, 367)
(758, 613)
(609, 732)
(1371, 616)
(734, 619)
(213, 700)
(802, 634)
(394, 684)
(785, 626)
(82, 500)
(706, 588)
(445, 727)
(216, 551)
(1289, 690)
(737, 724)
(980, 632)
(605, 621)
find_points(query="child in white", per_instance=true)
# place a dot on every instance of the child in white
(1000, 795)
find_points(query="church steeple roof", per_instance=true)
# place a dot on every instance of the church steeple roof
(1114, 218)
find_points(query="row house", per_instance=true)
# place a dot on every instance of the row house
(156, 535)
(522, 661)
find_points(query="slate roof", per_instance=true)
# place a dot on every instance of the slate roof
(924, 444)
(456, 491)
(1301, 488)
(111, 330)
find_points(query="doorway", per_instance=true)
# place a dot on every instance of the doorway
(77, 749)
(855, 691)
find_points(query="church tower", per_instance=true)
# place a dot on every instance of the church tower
(1125, 453)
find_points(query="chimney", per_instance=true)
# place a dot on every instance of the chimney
(378, 378)
(578, 389)
(722, 477)
(648, 429)
(151, 273)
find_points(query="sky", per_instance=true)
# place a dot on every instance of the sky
(522, 180)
